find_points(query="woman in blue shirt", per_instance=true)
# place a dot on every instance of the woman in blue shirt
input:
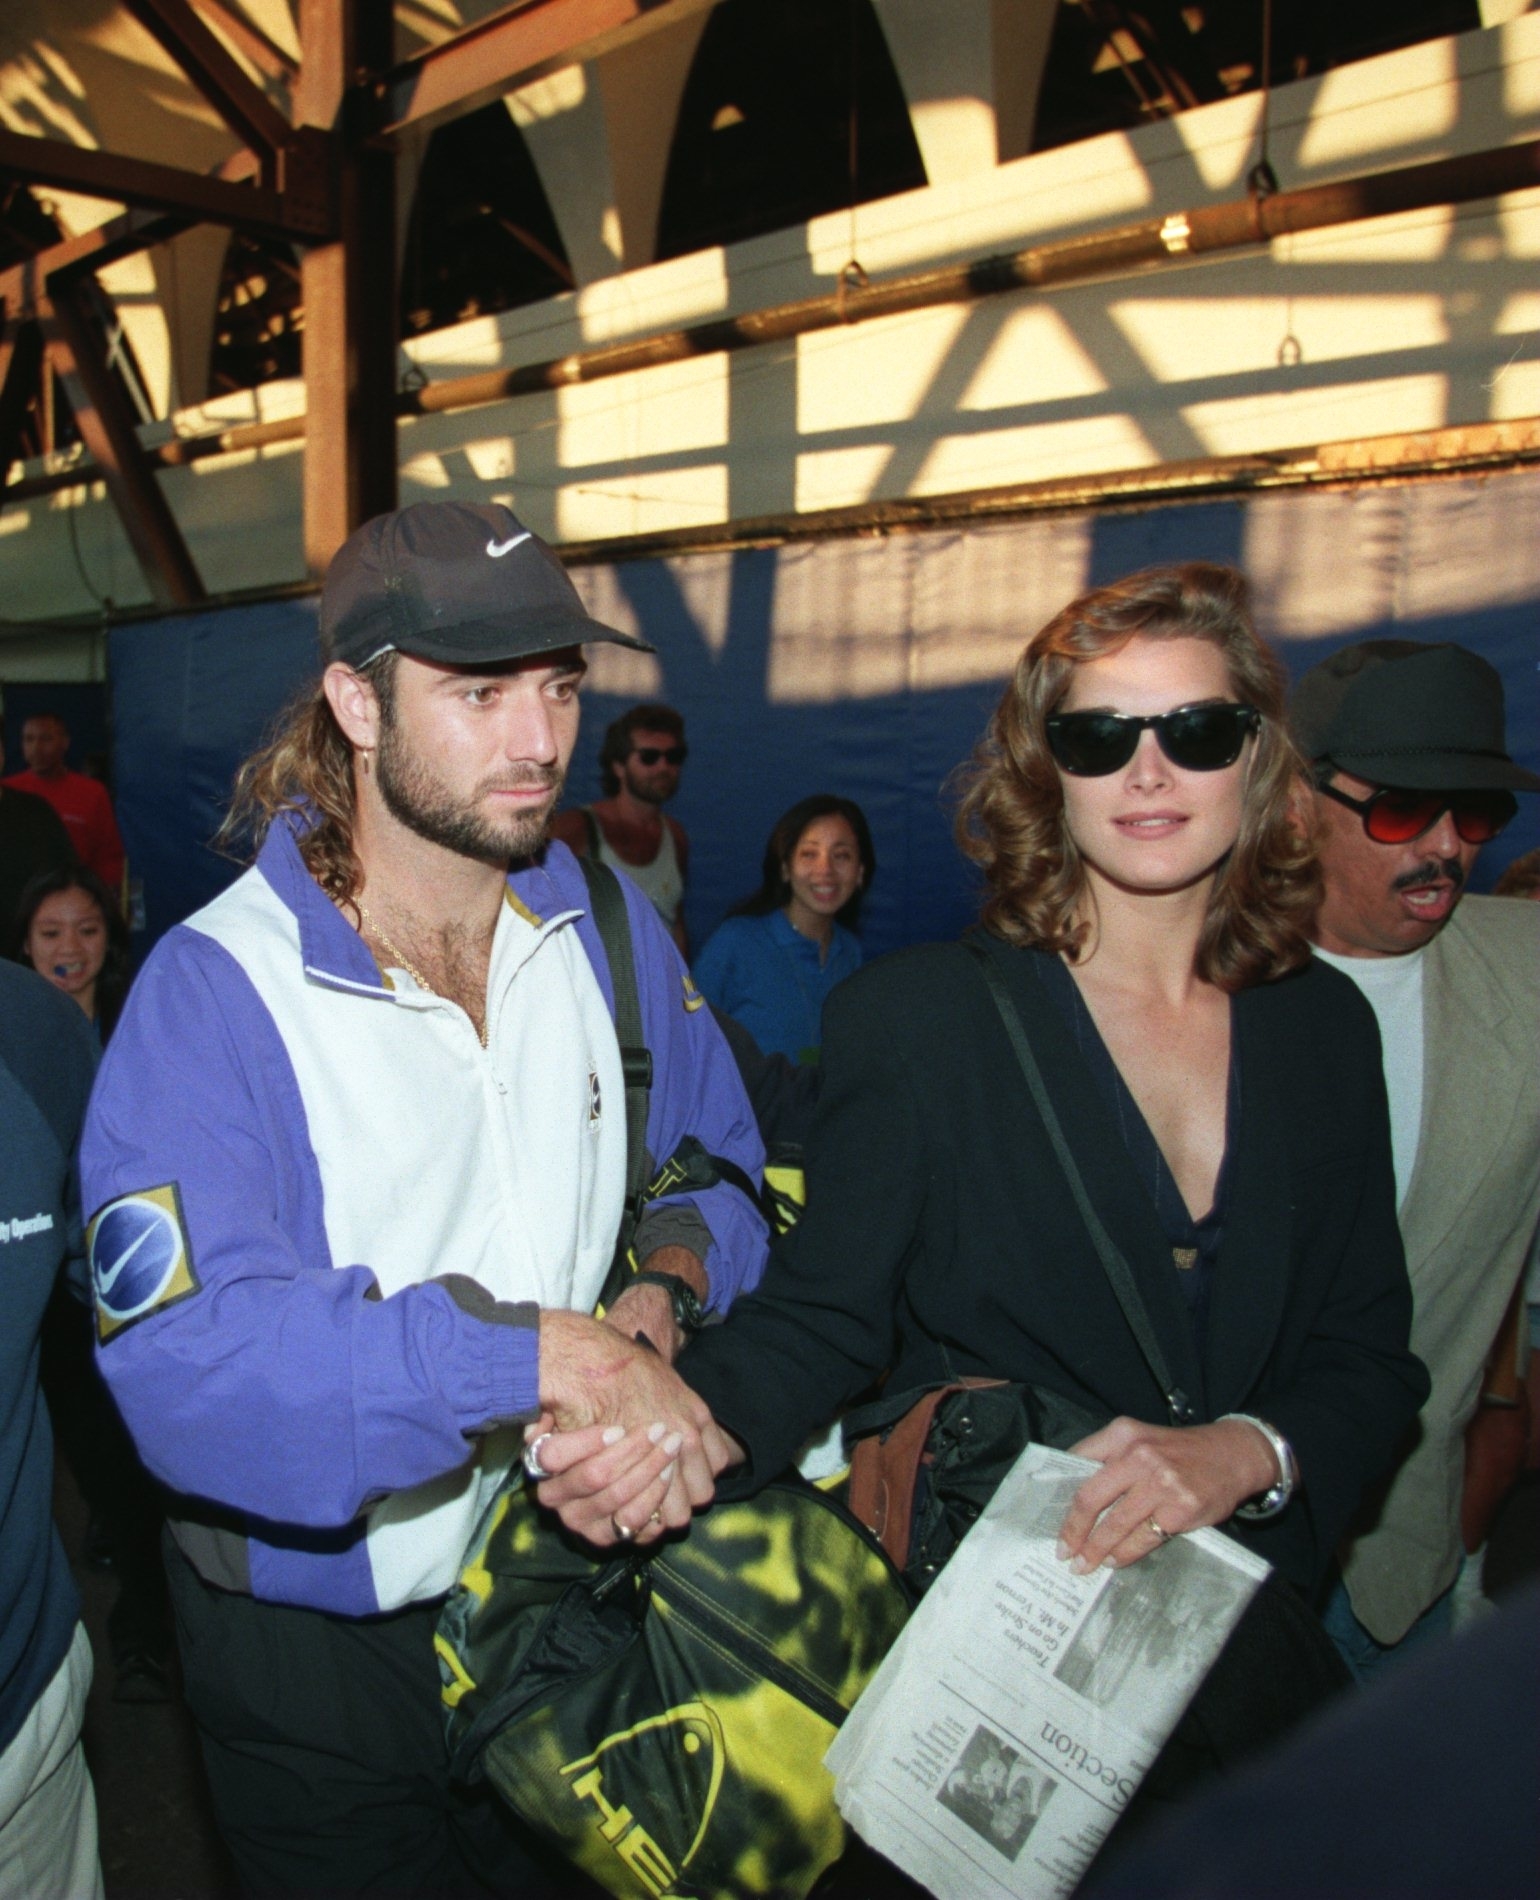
(777, 956)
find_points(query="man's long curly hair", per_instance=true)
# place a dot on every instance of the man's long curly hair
(305, 770)
(1010, 800)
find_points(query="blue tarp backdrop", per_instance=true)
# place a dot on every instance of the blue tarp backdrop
(867, 667)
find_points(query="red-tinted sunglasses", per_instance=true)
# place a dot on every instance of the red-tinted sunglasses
(1393, 817)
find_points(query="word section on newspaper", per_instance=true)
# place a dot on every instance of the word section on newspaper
(1022, 1706)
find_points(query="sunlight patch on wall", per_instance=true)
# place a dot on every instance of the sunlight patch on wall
(1221, 141)
(642, 502)
(980, 595)
(676, 407)
(491, 460)
(614, 669)
(838, 629)
(1039, 452)
(1034, 356)
(1346, 128)
(1286, 418)
(840, 478)
(881, 373)
(1424, 552)
(1468, 551)
(1341, 580)
(1521, 75)
(423, 471)
(1410, 237)
(1515, 384)
(1232, 336)
(1518, 221)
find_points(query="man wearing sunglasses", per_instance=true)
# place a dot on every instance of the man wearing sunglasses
(1409, 756)
(642, 756)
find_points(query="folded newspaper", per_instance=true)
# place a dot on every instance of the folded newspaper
(1022, 1706)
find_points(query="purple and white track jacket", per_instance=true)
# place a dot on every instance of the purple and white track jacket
(325, 1217)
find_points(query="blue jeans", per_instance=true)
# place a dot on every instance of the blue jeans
(1364, 1656)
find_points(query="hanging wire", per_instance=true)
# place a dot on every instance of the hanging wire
(103, 601)
(853, 275)
(1262, 180)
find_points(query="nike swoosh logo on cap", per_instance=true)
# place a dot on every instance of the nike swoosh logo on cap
(497, 549)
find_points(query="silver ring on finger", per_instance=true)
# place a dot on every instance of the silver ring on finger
(532, 1465)
(1160, 1536)
(623, 1531)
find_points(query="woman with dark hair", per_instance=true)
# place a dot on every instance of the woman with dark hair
(1133, 809)
(772, 963)
(69, 929)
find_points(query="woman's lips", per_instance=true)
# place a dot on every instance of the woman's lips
(1150, 824)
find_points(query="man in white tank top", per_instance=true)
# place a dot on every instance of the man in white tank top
(1412, 773)
(641, 758)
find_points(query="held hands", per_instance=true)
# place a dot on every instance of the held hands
(632, 1451)
(1156, 1481)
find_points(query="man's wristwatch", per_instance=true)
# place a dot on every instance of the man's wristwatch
(689, 1314)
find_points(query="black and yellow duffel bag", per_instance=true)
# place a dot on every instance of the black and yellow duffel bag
(662, 1717)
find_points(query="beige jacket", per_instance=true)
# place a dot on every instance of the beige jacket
(1470, 1214)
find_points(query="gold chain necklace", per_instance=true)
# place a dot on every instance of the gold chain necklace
(405, 962)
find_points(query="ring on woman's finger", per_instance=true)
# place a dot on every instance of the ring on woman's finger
(623, 1531)
(1160, 1536)
(532, 1464)
(656, 1518)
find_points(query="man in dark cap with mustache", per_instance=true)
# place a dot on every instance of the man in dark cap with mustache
(1407, 747)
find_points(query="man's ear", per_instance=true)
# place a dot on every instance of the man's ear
(354, 703)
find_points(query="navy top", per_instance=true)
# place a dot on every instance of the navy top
(46, 1063)
(1194, 1244)
(769, 978)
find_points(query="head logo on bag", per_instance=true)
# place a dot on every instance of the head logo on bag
(699, 1738)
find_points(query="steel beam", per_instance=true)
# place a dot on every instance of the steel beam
(140, 183)
(24, 287)
(348, 289)
(21, 363)
(107, 427)
(508, 50)
(218, 76)
(259, 49)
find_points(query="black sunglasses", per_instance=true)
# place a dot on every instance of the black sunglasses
(1394, 817)
(1197, 738)
(650, 754)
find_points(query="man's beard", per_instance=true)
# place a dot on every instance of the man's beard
(421, 802)
(647, 790)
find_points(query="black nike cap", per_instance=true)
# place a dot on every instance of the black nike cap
(463, 583)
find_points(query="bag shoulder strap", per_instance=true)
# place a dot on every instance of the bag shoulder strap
(608, 904)
(885, 1467)
(1116, 1268)
(591, 826)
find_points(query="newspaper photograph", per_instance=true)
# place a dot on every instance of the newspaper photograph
(1022, 1706)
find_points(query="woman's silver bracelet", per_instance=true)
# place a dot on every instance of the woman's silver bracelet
(1270, 1502)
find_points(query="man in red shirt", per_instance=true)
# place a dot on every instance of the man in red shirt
(81, 802)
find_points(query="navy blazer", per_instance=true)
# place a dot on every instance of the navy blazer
(940, 1237)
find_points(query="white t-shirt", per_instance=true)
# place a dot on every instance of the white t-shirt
(1393, 986)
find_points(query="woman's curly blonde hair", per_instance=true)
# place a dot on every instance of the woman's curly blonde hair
(1010, 800)
(305, 770)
